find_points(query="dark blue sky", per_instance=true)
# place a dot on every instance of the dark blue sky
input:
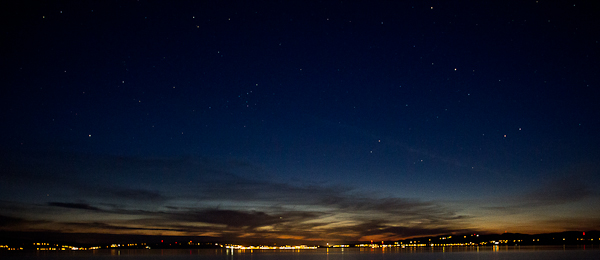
(322, 121)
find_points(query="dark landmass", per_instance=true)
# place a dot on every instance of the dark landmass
(560, 238)
(29, 240)
(58, 241)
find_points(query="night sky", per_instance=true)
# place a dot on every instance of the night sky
(299, 120)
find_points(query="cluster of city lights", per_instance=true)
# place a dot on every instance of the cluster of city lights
(300, 247)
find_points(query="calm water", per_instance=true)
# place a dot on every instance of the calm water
(467, 253)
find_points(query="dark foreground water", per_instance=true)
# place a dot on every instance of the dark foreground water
(466, 253)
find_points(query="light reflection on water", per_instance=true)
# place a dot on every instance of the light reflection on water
(417, 253)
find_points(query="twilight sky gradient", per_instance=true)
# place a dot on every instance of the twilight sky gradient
(299, 120)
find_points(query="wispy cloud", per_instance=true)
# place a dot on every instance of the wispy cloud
(132, 194)
(73, 206)
(204, 197)
(9, 223)
(6, 221)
